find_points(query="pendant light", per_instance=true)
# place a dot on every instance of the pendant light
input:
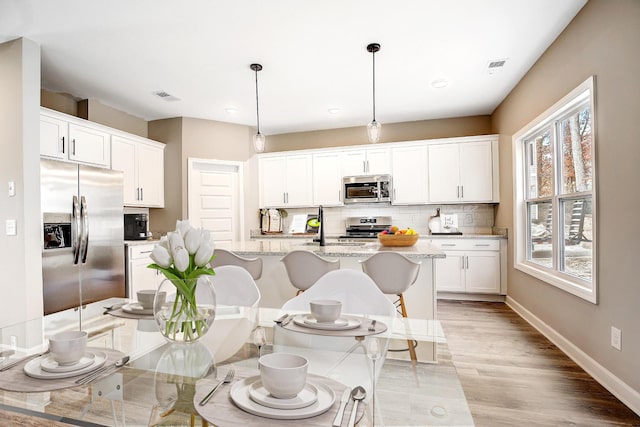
(258, 138)
(373, 128)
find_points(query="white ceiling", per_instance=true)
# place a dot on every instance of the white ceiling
(313, 53)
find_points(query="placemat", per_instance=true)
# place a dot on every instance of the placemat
(360, 331)
(120, 313)
(15, 379)
(221, 411)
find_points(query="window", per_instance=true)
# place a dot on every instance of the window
(555, 195)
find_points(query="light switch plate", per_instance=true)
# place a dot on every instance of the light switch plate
(11, 227)
(12, 188)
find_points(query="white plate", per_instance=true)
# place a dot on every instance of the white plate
(306, 397)
(136, 308)
(34, 370)
(309, 322)
(48, 363)
(239, 394)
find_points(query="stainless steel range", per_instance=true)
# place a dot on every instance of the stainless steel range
(366, 227)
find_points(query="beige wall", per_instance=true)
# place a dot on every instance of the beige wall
(168, 131)
(603, 41)
(94, 111)
(62, 102)
(205, 139)
(391, 132)
(20, 260)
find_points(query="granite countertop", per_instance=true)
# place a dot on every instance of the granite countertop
(280, 247)
(151, 241)
(422, 236)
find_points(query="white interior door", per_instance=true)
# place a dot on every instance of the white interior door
(215, 198)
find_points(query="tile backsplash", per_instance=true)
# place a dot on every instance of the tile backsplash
(472, 218)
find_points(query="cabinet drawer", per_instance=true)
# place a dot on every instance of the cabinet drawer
(140, 251)
(466, 244)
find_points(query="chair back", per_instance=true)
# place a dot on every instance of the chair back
(304, 268)
(232, 326)
(357, 292)
(225, 257)
(391, 271)
(234, 285)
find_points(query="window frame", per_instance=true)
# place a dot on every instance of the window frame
(587, 290)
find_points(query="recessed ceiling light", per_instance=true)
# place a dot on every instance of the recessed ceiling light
(231, 110)
(439, 83)
(334, 110)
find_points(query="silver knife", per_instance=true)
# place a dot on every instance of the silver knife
(346, 395)
(286, 321)
(106, 368)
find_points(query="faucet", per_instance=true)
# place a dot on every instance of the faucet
(321, 227)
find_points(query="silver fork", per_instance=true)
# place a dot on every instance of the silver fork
(226, 380)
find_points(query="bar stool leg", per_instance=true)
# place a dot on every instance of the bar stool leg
(412, 350)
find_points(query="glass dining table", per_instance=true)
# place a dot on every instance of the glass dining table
(163, 382)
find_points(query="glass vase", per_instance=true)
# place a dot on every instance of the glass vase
(184, 309)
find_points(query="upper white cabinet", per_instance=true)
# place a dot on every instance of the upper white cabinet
(463, 172)
(286, 181)
(89, 145)
(410, 177)
(65, 140)
(142, 162)
(366, 161)
(54, 137)
(327, 178)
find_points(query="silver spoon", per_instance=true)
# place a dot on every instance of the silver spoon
(357, 394)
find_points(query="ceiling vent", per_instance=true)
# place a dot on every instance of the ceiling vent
(165, 96)
(495, 65)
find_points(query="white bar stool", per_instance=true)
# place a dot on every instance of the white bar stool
(225, 257)
(393, 273)
(304, 268)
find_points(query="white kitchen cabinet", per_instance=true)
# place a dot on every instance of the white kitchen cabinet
(65, 137)
(89, 145)
(366, 161)
(142, 164)
(461, 172)
(327, 179)
(139, 276)
(409, 174)
(471, 266)
(286, 181)
(54, 137)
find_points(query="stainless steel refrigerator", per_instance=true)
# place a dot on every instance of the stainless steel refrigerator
(83, 229)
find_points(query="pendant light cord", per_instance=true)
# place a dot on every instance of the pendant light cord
(257, 108)
(374, 85)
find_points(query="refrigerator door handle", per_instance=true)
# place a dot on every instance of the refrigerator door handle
(75, 230)
(84, 244)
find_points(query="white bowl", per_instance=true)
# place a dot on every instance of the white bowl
(284, 375)
(146, 296)
(325, 310)
(68, 347)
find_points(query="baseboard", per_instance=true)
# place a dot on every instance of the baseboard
(460, 296)
(608, 380)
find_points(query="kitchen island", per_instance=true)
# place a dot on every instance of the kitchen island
(276, 289)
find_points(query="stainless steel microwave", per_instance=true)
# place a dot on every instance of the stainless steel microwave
(366, 189)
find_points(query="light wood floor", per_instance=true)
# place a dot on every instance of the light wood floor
(514, 376)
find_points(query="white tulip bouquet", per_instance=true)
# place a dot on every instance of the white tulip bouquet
(183, 256)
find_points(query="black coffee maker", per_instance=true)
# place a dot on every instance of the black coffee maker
(135, 226)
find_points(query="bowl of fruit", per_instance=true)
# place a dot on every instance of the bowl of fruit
(395, 236)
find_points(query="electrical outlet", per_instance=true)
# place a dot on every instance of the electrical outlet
(616, 338)
(14, 342)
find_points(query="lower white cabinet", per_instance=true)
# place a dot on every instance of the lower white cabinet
(139, 276)
(471, 266)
